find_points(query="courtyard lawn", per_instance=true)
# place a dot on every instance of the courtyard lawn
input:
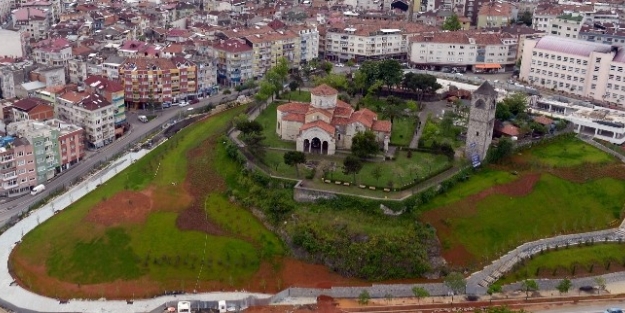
(564, 259)
(567, 152)
(268, 119)
(298, 95)
(403, 131)
(398, 172)
(498, 222)
(74, 250)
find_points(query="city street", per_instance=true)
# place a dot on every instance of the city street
(12, 206)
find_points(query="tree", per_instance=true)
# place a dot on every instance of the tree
(254, 143)
(293, 85)
(293, 158)
(516, 103)
(564, 286)
(388, 297)
(504, 148)
(452, 23)
(502, 112)
(364, 144)
(529, 285)
(245, 126)
(364, 297)
(600, 282)
(456, 283)
(420, 83)
(420, 293)
(326, 67)
(493, 289)
(352, 165)
(336, 81)
(390, 72)
(376, 172)
(526, 18)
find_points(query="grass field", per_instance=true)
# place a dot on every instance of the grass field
(298, 95)
(567, 152)
(564, 259)
(400, 171)
(488, 224)
(268, 120)
(403, 131)
(82, 252)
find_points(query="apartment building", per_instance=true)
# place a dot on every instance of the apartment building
(71, 143)
(268, 48)
(30, 109)
(309, 41)
(112, 91)
(566, 25)
(234, 59)
(158, 80)
(92, 112)
(479, 51)
(17, 166)
(52, 52)
(12, 76)
(34, 21)
(544, 15)
(606, 33)
(369, 40)
(496, 14)
(14, 43)
(45, 145)
(582, 68)
(43, 5)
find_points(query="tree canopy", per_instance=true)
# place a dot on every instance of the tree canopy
(364, 144)
(420, 292)
(273, 81)
(564, 286)
(529, 285)
(352, 165)
(455, 282)
(452, 23)
(293, 158)
(526, 17)
(420, 83)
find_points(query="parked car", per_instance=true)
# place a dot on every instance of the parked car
(614, 310)
(340, 65)
(587, 288)
(183, 104)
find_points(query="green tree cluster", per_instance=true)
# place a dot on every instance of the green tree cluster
(294, 158)
(364, 144)
(251, 135)
(452, 23)
(273, 81)
(420, 83)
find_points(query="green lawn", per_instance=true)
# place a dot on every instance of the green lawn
(567, 152)
(563, 260)
(501, 222)
(298, 95)
(403, 131)
(268, 119)
(398, 171)
(81, 252)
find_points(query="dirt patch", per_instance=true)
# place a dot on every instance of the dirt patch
(201, 180)
(590, 172)
(124, 207)
(439, 218)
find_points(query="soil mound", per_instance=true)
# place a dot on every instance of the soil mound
(124, 207)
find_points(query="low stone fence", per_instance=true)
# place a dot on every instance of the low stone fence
(375, 291)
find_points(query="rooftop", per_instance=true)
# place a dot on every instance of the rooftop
(571, 46)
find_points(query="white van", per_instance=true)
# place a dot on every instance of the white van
(143, 118)
(37, 189)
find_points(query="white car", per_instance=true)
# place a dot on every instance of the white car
(183, 104)
(340, 65)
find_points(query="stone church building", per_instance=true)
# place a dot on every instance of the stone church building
(327, 123)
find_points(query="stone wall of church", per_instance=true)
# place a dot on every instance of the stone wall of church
(288, 130)
(323, 102)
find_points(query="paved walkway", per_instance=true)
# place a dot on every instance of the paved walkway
(588, 139)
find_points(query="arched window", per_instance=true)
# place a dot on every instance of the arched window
(480, 104)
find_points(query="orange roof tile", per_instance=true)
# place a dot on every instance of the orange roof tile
(362, 118)
(293, 117)
(343, 112)
(294, 107)
(319, 124)
(313, 110)
(340, 121)
(323, 90)
(382, 126)
(543, 120)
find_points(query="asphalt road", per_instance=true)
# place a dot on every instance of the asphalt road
(12, 206)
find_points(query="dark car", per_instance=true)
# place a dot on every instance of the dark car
(472, 297)
(587, 288)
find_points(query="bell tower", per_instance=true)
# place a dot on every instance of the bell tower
(481, 123)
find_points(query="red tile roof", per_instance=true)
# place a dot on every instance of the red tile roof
(319, 124)
(313, 110)
(294, 107)
(507, 129)
(28, 104)
(360, 117)
(382, 126)
(340, 121)
(343, 112)
(292, 117)
(323, 90)
(543, 120)
(103, 83)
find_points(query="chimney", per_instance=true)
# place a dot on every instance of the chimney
(28, 12)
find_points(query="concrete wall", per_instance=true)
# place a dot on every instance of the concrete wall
(303, 194)
(323, 102)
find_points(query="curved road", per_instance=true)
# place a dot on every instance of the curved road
(13, 206)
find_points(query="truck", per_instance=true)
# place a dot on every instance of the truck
(143, 118)
(37, 189)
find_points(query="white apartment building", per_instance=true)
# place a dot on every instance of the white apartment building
(481, 51)
(369, 41)
(566, 25)
(34, 21)
(309, 41)
(544, 16)
(52, 52)
(582, 68)
(92, 112)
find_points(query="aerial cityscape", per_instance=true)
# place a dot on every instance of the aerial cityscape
(312, 156)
